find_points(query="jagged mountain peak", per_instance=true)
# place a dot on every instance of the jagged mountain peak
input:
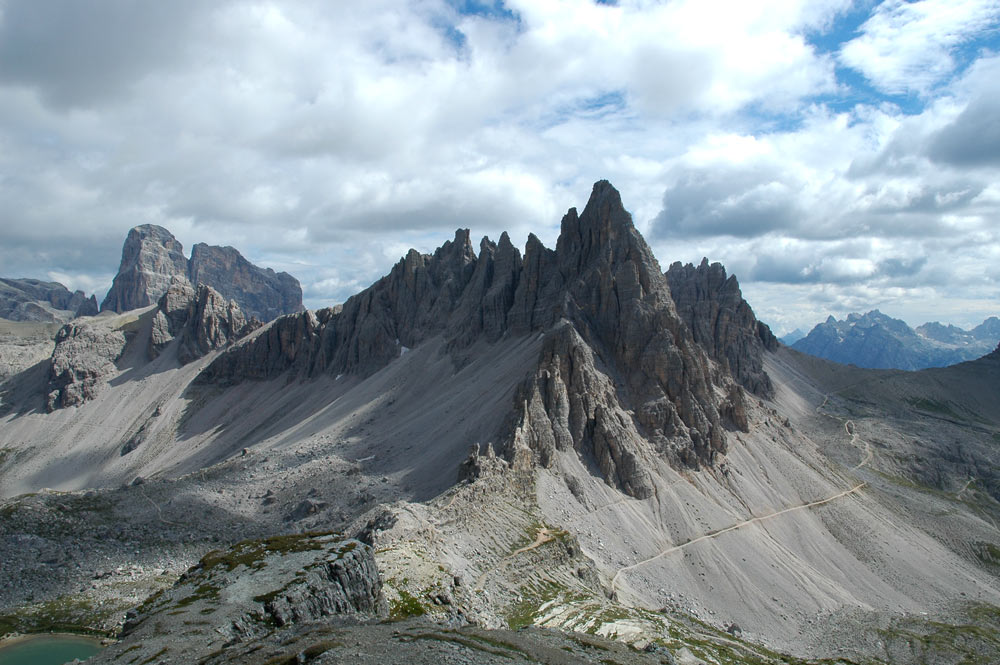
(712, 305)
(600, 301)
(876, 340)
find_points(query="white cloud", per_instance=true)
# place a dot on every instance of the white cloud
(311, 135)
(909, 47)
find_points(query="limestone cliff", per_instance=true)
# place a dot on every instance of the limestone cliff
(152, 259)
(83, 359)
(201, 319)
(252, 589)
(151, 256)
(260, 292)
(49, 302)
(87, 352)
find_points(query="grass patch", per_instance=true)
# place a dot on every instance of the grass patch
(251, 553)
(203, 592)
(154, 656)
(475, 642)
(67, 614)
(525, 611)
(405, 607)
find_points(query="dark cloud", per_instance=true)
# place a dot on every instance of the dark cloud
(728, 200)
(80, 53)
(972, 139)
(901, 267)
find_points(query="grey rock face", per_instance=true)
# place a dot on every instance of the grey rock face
(261, 292)
(201, 318)
(151, 256)
(570, 405)
(86, 354)
(34, 300)
(83, 358)
(712, 306)
(625, 341)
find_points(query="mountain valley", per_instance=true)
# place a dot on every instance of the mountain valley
(621, 462)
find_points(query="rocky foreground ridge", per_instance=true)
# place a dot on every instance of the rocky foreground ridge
(621, 376)
(152, 259)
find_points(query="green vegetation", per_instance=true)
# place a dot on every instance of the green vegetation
(925, 641)
(203, 592)
(476, 642)
(405, 607)
(527, 537)
(988, 553)
(67, 614)
(154, 657)
(251, 553)
(533, 596)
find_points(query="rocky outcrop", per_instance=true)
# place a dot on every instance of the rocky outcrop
(152, 259)
(83, 359)
(620, 375)
(570, 405)
(712, 306)
(253, 589)
(260, 292)
(201, 319)
(87, 352)
(35, 300)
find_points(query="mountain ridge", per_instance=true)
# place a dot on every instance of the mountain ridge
(877, 341)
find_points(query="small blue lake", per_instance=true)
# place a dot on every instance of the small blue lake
(47, 649)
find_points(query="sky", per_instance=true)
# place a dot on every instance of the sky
(835, 156)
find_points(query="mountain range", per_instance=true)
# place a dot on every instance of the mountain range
(878, 341)
(568, 441)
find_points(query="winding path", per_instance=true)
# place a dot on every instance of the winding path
(739, 525)
(159, 511)
(543, 536)
(849, 428)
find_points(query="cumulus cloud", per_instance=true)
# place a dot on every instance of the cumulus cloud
(724, 199)
(909, 47)
(311, 135)
(971, 139)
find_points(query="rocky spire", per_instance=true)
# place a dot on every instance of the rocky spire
(151, 256)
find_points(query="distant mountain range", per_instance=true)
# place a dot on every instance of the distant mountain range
(47, 302)
(878, 341)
